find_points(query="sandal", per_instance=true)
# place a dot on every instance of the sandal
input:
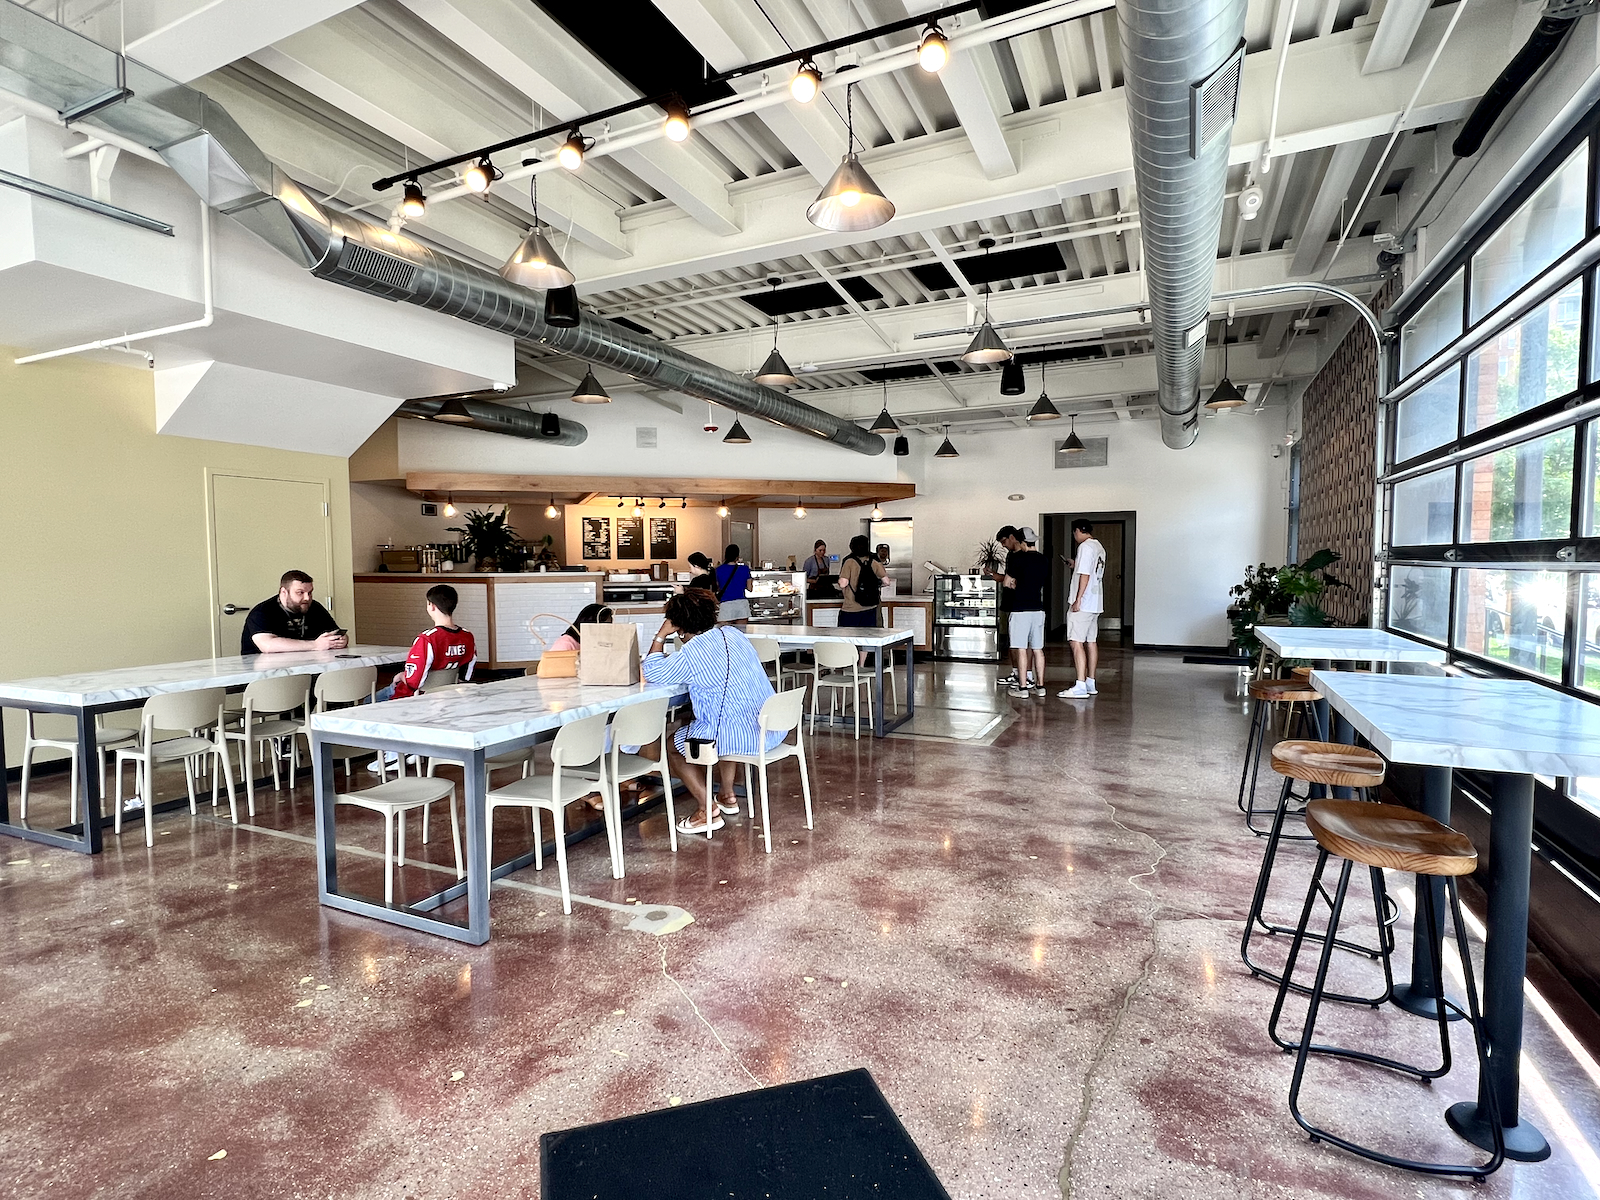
(728, 808)
(685, 827)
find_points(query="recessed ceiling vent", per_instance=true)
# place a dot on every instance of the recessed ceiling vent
(361, 267)
(1214, 102)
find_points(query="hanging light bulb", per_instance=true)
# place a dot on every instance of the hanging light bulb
(775, 371)
(850, 201)
(736, 435)
(676, 126)
(799, 510)
(413, 204)
(946, 448)
(572, 150)
(1074, 443)
(638, 507)
(933, 51)
(1011, 380)
(803, 87)
(885, 423)
(551, 512)
(589, 390)
(535, 263)
(1043, 409)
(877, 513)
(722, 510)
(453, 412)
(479, 175)
(1227, 395)
(450, 505)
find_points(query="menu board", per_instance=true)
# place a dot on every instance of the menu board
(663, 537)
(597, 538)
(630, 538)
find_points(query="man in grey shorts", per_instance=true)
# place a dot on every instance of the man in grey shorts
(1083, 618)
(1026, 573)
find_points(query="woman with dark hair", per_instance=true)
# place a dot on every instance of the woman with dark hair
(733, 587)
(727, 687)
(861, 579)
(589, 614)
(703, 578)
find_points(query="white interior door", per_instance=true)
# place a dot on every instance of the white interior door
(261, 528)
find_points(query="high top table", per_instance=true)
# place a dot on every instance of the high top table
(86, 694)
(467, 726)
(1515, 729)
(1325, 646)
(879, 641)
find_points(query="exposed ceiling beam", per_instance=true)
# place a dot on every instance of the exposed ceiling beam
(964, 85)
(210, 34)
(468, 482)
(1330, 199)
(850, 302)
(1397, 29)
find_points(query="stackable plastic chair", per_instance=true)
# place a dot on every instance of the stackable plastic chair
(636, 725)
(107, 742)
(265, 703)
(392, 800)
(348, 685)
(843, 658)
(187, 713)
(784, 712)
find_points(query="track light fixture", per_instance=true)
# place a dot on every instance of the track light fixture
(573, 149)
(775, 371)
(619, 501)
(850, 201)
(479, 175)
(413, 204)
(946, 448)
(803, 87)
(453, 412)
(663, 503)
(535, 263)
(1074, 443)
(683, 502)
(1227, 395)
(933, 51)
(676, 126)
(589, 390)
(736, 435)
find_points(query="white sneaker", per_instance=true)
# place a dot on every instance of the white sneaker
(1076, 692)
(1018, 690)
(1007, 681)
(134, 804)
(1089, 683)
(1041, 690)
(391, 762)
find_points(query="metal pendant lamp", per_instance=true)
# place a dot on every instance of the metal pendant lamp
(1043, 409)
(885, 423)
(453, 412)
(1074, 443)
(589, 390)
(987, 346)
(850, 201)
(947, 448)
(535, 263)
(550, 427)
(902, 446)
(1227, 395)
(736, 435)
(775, 372)
(1011, 380)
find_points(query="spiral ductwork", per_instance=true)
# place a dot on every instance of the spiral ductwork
(1179, 59)
(500, 418)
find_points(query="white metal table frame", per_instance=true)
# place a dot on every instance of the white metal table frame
(85, 695)
(404, 727)
(1513, 729)
(877, 640)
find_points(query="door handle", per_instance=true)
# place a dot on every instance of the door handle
(229, 609)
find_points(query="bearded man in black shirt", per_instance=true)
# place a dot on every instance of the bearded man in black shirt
(291, 620)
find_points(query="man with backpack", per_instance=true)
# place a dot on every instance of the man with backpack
(861, 579)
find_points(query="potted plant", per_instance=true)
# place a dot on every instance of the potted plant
(1280, 596)
(987, 561)
(487, 536)
(544, 554)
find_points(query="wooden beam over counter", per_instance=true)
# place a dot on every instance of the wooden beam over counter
(474, 487)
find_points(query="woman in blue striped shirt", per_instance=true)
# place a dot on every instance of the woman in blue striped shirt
(727, 687)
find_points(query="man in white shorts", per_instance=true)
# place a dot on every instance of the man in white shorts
(1088, 600)
(1026, 575)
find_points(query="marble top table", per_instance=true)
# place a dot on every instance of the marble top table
(1344, 645)
(469, 725)
(86, 694)
(877, 641)
(1515, 729)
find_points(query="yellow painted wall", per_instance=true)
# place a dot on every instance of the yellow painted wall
(103, 543)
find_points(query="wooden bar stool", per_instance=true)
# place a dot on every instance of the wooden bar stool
(1336, 765)
(1264, 695)
(1379, 837)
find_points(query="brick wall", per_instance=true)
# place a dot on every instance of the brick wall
(1338, 433)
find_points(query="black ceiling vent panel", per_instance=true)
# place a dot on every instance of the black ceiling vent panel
(896, 373)
(1039, 259)
(633, 325)
(810, 297)
(934, 277)
(1061, 354)
(637, 41)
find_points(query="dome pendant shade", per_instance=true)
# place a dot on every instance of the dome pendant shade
(1011, 381)
(453, 412)
(561, 307)
(550, 427)
(902, 446)
(537, 265)
(775, 372)
(850, 201)
(1226, 396)
(589, 391)
(987, 347)
(736, 435)
(884, 424)
(1044, 410)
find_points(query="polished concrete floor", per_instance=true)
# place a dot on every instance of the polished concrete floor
(1022, 917)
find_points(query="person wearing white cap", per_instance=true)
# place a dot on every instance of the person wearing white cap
(1026, 575)
(1083, 619)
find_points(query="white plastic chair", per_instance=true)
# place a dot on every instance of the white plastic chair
(187, 712)
(636, 725)
(393, 800)
(106, 742)
(783, 712)
(267, 699)
(840, 656)
(577, 744)
(347, 685)
(512, 758)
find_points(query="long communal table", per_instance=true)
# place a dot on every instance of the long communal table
(467, 727)
(1514, 729)
(879, 641)
(84, 695)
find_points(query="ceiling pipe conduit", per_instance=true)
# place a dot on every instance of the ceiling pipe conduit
(499, 418)
(197, 138)
(1172, 52)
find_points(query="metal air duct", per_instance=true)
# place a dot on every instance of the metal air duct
(1181, 63)
(197, 138)
(500, 418)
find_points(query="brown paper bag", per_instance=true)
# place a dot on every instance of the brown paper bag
(609, 655)
(558, 664)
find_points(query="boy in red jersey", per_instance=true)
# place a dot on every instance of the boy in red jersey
(445, 646)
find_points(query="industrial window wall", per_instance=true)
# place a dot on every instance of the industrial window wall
(1493, 510)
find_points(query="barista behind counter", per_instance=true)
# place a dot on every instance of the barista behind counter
(822, 581)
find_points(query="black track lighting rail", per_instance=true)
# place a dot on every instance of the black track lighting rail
(800, 55)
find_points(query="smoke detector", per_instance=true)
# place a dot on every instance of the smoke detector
(1250, 202)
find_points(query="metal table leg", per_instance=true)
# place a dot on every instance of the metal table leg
(1417, 996)
(68, 837)
(1505, 963)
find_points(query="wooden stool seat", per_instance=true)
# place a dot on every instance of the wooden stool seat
(1301, 672)
(1391, 837)
(1328, 762)
(1283, 691)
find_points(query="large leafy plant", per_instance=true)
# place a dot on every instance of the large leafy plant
(1290, 594)
(487, 536)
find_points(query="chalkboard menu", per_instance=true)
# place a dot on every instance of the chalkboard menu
(663, 537)
(630, 538)
(597, 538)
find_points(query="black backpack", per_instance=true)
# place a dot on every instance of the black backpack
(869, 588)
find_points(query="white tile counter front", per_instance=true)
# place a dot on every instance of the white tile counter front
(516, 603)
